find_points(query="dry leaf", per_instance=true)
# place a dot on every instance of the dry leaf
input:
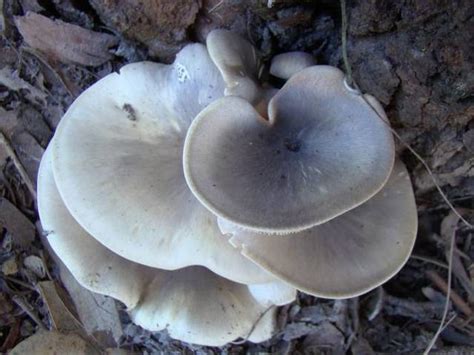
(97, 313)
(61, 317)
(29, 152)
(20, 227)
(8, 122)
(11, 79)
(65, 42)
(53, 343)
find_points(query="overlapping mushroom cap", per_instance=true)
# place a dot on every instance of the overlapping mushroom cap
(322, 152)
(193, 303)
(117, 154)
(309, 191)
(146, 160)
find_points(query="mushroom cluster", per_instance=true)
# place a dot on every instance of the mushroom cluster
(201, 197)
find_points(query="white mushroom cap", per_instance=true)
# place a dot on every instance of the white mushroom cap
(347, 256)
(193, 304)
(201, 308)
(117, 162)
(323, 152)
(285, 65)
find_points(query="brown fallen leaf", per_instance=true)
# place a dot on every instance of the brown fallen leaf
(61, 317)
(20, 227)
(8, 122)
(53, 343)
(65, 42)
(97, 313)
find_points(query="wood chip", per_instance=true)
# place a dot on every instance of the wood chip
(36, 265)
(65, 42)
(9, 266)
(2, 18)
(11, 79)
(20, 227)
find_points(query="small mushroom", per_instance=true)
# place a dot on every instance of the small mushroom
(117, 154)
(241, 67)
(347, 256)
(322, 152)
(285, 65)
(193, 304)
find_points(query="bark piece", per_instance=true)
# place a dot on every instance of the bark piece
(65, 42)
(159, 24)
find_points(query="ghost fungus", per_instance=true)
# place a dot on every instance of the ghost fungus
(322, 152)
(193, 304)
(347, 256)
(131, 184)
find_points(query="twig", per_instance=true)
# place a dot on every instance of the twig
(344, 43)
(253, 327)
(19, 167)
(443, 286)
(448, 296)
(214, 8)
(351, 82)
(429, 260)
(28, 310)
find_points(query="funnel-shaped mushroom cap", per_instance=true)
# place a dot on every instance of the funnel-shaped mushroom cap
(323, 152)
(346, 256)
(193, 304)
(117, 162)
(239, 63)
(285, 65)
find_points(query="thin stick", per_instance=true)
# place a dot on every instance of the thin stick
(216, 7)
(443, 286)
(11, 153)
(253, 327)
(344, 42)
(351, 82)
(28, 310)
(429, 260)
(448, 296)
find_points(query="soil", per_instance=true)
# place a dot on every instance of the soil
(415, 57)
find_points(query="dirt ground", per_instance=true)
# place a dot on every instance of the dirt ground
(416, 57)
